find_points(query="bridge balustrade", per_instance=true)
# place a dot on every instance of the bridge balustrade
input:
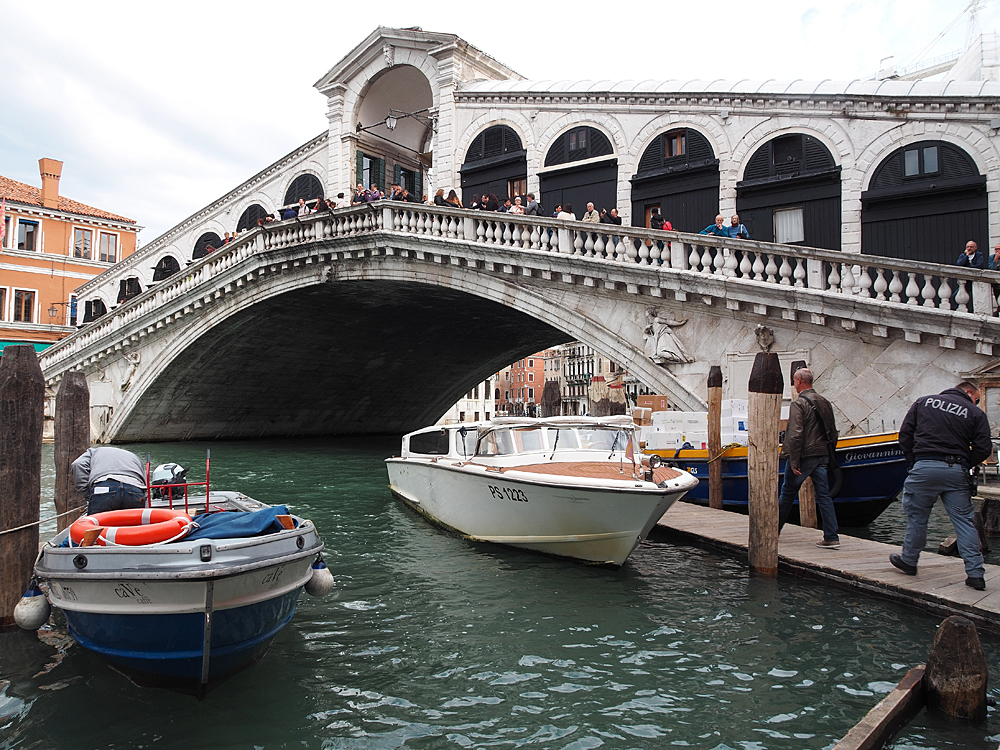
(884, 280)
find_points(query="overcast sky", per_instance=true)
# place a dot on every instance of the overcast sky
(158, 109)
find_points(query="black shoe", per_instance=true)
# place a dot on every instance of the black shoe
(897, 561)
(979, 584)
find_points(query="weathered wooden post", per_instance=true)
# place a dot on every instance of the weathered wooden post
(956, 676)
(715, 437)
(72, 438)
(807, 493)
(22, 410)
(763, 414)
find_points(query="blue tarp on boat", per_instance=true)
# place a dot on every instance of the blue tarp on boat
(228, 525)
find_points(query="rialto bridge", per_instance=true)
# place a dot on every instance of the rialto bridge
(376, 318)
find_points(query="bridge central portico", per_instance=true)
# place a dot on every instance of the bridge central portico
(375, 318)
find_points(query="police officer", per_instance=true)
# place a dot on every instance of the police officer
(113, 479)
(943, 437)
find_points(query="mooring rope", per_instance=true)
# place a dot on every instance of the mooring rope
(723, 449)
(43, 520)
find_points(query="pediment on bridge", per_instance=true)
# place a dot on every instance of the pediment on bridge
(386, 47)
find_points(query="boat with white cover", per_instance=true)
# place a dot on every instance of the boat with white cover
(191, 610)
(573, 487)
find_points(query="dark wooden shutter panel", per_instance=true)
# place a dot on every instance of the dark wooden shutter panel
(698, 147)
(380, 178)
(760, 165)
(361, 168)
(418, 185)
(600, 144)
(818, 158)
(398, 175)
(652, 157)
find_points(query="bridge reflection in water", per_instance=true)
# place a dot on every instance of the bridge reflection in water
(375, 318)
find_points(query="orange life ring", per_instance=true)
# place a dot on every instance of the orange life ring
(132, 527)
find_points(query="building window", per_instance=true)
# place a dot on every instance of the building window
(461, 416)
(788, 226)
(26, 233)
(578, 139)
(531, 377)
(72, 309)
(518, 187)
(82, 239)
(487, 416)
(3, 303)
(109, 247)
(675, 143)
(531, 363)
(476, 418)
(920, 161)
(24, 305)
(6, 232)
(531, 394)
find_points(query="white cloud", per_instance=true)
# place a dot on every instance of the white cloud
(157, 110)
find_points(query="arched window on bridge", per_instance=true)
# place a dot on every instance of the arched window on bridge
(679, 175)
(790, 193)
(205, 244)
(93, 309)
(128, 288)
(497, 163)
(166, 268)
(592, 182)
(250, 216)
(305, 186)
(924, 202)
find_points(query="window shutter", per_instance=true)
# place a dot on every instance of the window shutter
(418, 184)
(398, 175)
(380, 178)
(361, 168)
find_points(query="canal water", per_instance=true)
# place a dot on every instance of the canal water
(429, 641)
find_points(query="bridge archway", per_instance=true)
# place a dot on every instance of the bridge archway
(580, 167)
(495, 162)
(306, 186)
(203, 243)
(678, 173)
(165, 267)
(790, 192)
(925, 200)
(251, 214)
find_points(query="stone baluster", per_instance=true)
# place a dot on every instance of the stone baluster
(895, 287)
(864, 281)
(655, 254)
(413, 222)
(598, 246)
(785, 271)
(880, 285)
(962, 297)
(771, 269)
(706, 259)
(847, 279)
(758, 267)
(719, 261)
(481, 230)
(799, 273)
(506, 235)
(534, 237)
(944, 293)
(912, 290)
(929, 293)
(731, 265)
(577, 243)
(694, 259)
(834, 278)
(643, 252)
(746, 265)
(631, 254)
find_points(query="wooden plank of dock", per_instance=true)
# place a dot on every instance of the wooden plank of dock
(859, 564)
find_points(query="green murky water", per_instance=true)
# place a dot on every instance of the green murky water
(429, 641)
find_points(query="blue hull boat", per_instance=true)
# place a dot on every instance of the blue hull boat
(189, 613)
(873, 466)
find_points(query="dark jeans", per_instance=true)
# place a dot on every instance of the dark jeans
(117, 496)
(815, 467)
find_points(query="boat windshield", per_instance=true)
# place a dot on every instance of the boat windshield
(510, 440)
(469, 440)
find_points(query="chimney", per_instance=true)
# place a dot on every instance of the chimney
(50, 170)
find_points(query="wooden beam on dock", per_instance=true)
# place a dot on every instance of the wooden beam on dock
(891, 713)
(859, 564)
(715, 437)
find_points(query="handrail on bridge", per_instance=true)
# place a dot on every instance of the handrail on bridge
(875, 278)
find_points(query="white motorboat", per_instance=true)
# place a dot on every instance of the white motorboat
(572, 487)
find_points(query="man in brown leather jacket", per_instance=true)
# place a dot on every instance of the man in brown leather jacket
(811, 428)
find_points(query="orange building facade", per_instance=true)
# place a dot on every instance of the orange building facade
(50, 246)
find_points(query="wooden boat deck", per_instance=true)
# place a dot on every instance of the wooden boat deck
(859, 564)
(592, 470)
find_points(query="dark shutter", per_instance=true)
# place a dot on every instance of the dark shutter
(361, 168)
(759, 167)
(818, 158)
(698, 148)
(418, 185)
(250, 216)
(305, 186)
(380, 177)
(652, 157)
(398, 175)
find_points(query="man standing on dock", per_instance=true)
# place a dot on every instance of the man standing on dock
(944, 437)
(811, 429)
(112, 478)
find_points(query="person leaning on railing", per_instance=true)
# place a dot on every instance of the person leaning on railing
(971, 257)
(718, 229)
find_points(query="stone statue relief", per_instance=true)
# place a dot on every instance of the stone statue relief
(132, 359)
(663, 346)
(389, 53)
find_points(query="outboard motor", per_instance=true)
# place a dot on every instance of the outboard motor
(167, 474)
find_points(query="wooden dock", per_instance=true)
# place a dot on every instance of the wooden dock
(860, 564)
